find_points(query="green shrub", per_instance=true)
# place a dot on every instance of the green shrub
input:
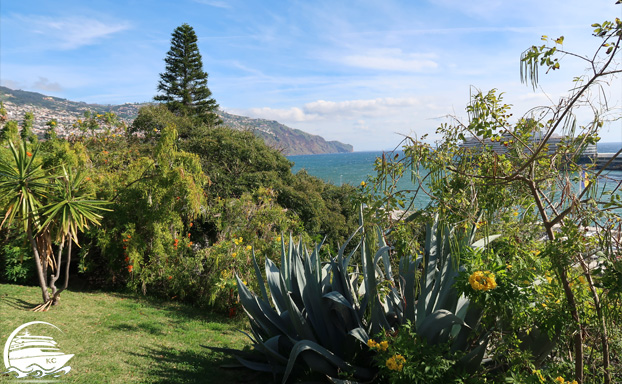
(17, 263)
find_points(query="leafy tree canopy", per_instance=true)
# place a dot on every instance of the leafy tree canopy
(184, 83)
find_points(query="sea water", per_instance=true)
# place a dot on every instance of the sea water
(354, 167)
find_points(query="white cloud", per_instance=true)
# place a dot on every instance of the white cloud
(72, 32)
(9, 83)
(391, 60)
(214, 3)
(334, 110)
(44, 84)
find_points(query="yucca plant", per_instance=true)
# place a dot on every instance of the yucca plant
(319, 316)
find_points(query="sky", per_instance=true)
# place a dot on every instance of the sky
(366, 73)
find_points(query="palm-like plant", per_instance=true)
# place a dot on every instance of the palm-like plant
(24, 183)
(46, 204)
(71, 210)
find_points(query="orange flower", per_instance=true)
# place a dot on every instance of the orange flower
(130, 268)
(29, 154)
(191, 224)
(170, 277)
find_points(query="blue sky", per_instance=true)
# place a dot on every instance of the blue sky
(361, 72)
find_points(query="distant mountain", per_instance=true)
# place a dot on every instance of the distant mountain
(291, 141)
(276, 135)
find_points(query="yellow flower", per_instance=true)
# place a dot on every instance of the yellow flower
(248, 247)
(549, 279)
(363, 183)
(384, 345)
(396, 363)
(560, 379)
(278, 238)
(515, 213)
(234, 255)
(482, 280)
(540, 377)
(371, 343)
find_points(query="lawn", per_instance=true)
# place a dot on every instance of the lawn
(126, 338)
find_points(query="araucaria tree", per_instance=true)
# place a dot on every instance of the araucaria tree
(183, 86)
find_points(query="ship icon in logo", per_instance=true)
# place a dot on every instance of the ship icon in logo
(31, 355)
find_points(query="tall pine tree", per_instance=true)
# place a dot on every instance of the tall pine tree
(184, 84)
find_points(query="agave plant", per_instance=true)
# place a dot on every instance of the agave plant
(433, 305)
(319, 316)
(308, 316)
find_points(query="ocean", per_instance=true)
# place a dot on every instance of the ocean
(355, 167)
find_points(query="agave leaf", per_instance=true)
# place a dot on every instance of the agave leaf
(299, 322)
(338, 298)
(260, 281)
(320, 316)
(472, 360)
(260, 311)
(360, 334)
(339, 381)
(273, 276)
(327, 271)
(407, 280)
(383, 252)
(436, 322)
(447, 297)
(481, 243)
(260, 367)
(322, 360)
(428, 273)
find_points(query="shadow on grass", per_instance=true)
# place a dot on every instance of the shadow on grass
(178, 312)
(18, 303)
(174, 366)
(142, 327)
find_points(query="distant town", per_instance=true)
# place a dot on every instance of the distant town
(66, 119)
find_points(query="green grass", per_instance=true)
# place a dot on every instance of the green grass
(122, 338)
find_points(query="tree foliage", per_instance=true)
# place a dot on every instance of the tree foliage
(530, 190)
(184, 83)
